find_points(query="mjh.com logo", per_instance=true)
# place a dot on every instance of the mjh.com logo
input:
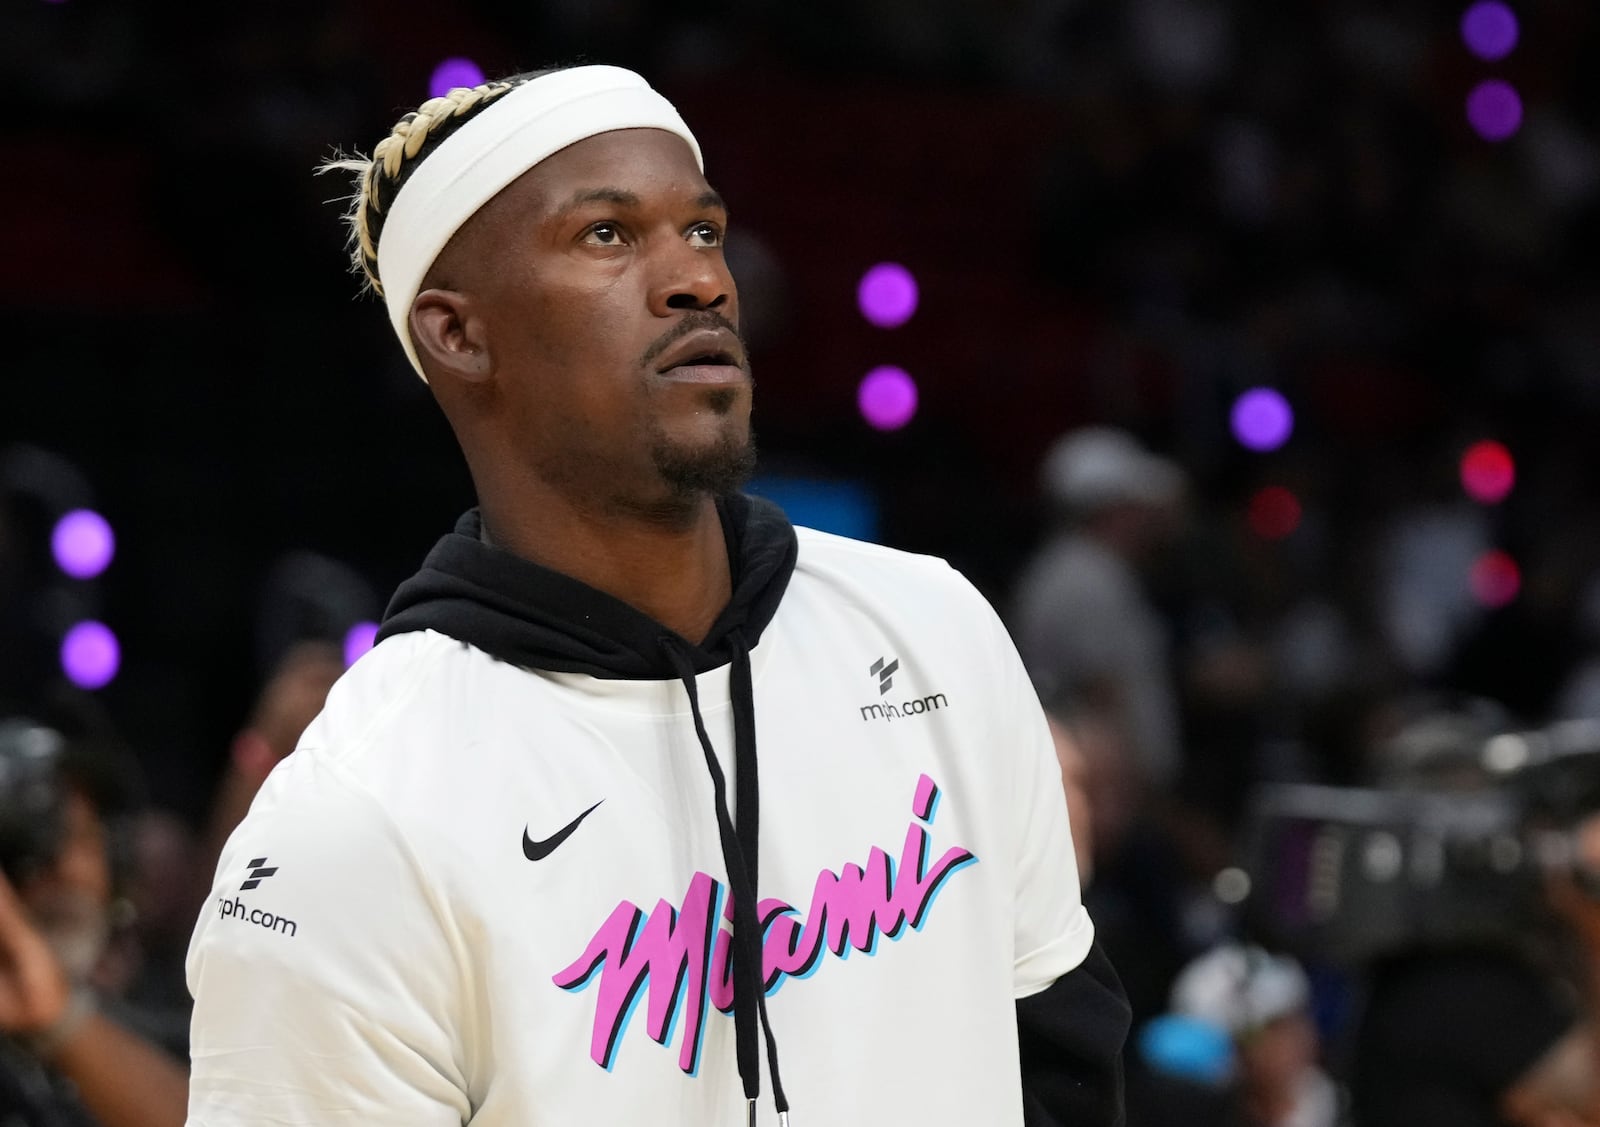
(238, 909)
(884, 670)
(259, 871)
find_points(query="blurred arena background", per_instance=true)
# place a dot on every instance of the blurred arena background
(1335, 260)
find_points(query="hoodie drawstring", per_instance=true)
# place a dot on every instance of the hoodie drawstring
(740, 856)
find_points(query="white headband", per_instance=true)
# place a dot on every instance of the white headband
(506, 138)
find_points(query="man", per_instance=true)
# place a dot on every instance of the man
(1262, 1002)
(1097, 651)
(522, 865)
(1084, 624)
(293, 694)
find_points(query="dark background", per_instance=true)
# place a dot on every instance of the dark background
(1123, 212)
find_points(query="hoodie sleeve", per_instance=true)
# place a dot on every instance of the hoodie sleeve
(326, 979)
(1072, 1013)
(1071, 1035)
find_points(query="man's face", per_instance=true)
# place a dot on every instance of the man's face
(612, 322)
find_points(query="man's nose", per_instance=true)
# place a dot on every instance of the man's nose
(693, 278)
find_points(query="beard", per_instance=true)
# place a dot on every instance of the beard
(661, 477)
(719, 469)
(715, 469)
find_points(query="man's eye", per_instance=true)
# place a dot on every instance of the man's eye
(604, 235)
(705, 235)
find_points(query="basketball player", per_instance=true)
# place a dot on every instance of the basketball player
(523, 869)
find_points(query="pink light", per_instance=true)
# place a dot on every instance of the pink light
(1496, 579)
(453, 72)
(887, 397)
(887, 295)
(90, 655)
(1494, 109)
(1488, 472)
(1274, 513)
(82, 544)
(358, 640)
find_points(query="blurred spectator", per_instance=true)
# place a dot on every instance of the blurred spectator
(63, 1060)
(1098, 651)
(1075, 781)
(1262, 1002)
(291, 698)
(1459, 1036)
(1580, 694)
(145, 966)
(1140, 885)
(1180, 1075)
(1427, 607)
(1101, 779)
(1081, 618)
(308, 606)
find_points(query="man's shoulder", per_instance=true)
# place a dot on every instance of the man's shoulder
(399, 690)
(841, 560)
(396, 726)
(374, 767)
(888, 593)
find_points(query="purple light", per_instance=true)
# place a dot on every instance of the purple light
(82, 544)
(358, 640)
(1262, 419)
(1495, 109)
(887, 397)
(1489, 29)
(90, 655)
(887, 295)
(454, 72)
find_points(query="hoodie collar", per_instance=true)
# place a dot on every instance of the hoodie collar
(528, 615)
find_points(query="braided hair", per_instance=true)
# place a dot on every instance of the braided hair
(413, 137)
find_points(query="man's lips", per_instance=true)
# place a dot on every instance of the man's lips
(706, 355)
(705, 373)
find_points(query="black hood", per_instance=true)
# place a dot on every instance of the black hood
(537, 618)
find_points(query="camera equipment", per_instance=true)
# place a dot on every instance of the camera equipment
(32, 796)
(1347, 874)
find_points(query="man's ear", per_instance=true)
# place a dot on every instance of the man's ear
(449, 336)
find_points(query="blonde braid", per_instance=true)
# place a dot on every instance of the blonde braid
(379, 178)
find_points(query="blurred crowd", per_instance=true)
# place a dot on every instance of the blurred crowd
(1131, 212)
(1339, 889)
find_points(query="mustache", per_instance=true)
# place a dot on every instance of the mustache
(692, 322)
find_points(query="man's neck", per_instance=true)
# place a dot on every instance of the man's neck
(677, 573)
